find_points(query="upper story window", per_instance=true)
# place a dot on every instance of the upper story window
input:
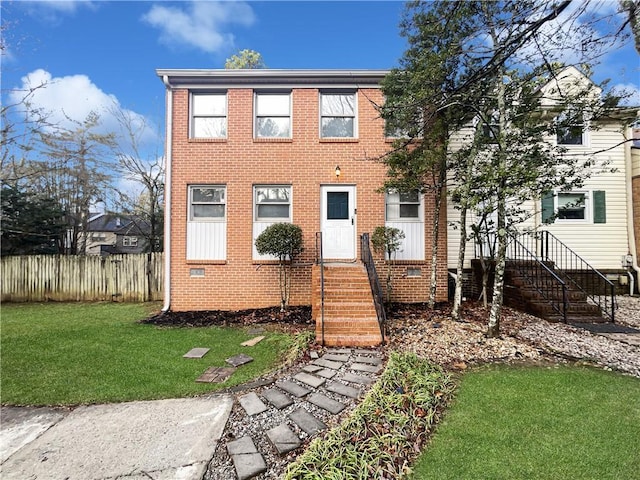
(272, 115)
(208, 115)
(570, 129)
(273, 203)
(338, 114)
(403, 206)
(207, 203)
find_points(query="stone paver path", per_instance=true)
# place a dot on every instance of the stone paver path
(293, 409)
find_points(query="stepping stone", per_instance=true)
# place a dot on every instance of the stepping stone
(326, 373)
(215, 374)
(248, 465)
(368, 360)
(341, 389)
(340, 351)
(336, 357)
(311, 368)
(241, 445)
(283, 438)
(196, 353)
(362, 351)
(353, 378)
(276, 398)
(252, 404)
(363, 367)
(328, 363)
(309, 379)
(238, 360)
(314, 355)
(329, 404)
(253, 341)
(307, 422)
(292, 388)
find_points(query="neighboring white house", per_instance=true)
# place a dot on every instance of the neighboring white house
(594, 221)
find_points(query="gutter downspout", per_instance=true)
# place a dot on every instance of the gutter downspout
(167, 198)
(630, 227)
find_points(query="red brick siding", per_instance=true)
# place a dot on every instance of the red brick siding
(306, 162)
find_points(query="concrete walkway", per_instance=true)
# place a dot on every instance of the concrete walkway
(163, 439)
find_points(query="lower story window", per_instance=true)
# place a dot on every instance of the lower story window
(271, 204)
(207, 225)
(130, 242)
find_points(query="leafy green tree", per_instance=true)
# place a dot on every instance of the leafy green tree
(32, 224)
(283, 241)
(387, 241)
(248, 59)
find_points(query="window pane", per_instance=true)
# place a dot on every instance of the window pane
(272, 194)
(278, 127)
(215, 104)
(208, 211)
(570, 135)
(272, 104)
(410, 197)
(337, 205)
(208, 127)
(273, 211)
(571, 206)
(409, 211)
(338, 105)
(337, 127)
(208, 195)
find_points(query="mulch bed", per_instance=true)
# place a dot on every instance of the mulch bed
(299, 315)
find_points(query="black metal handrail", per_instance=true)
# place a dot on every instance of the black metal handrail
(374, 282)
(546, 282)
(598, 288)
(320, 261)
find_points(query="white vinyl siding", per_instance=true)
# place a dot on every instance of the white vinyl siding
(406, 213)
(207, 225)
(271, 204)
(208, 115)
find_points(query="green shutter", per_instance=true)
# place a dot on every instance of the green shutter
(547, 208)
(599, 207)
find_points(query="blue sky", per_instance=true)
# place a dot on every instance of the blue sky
(91, 53)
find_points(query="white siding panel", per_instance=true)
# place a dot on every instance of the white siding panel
(206, 240)
(412, 247)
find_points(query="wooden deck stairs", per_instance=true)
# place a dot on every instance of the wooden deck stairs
(348, 317)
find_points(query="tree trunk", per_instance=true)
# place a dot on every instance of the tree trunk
(457, 297)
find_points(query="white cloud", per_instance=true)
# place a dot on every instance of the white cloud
(50, 11)
(66, 101)
(202, 25)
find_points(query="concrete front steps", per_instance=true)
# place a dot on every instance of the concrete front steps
(349, 317)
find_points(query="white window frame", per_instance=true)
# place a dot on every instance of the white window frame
(584, 138)
(129, 241)
(223, 202)
(588, 207)
(354, 116)
(193, 116)
(256, 204)
(399, 203)
(257, 115)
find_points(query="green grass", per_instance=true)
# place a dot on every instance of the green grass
(560, 423)
(67, 354)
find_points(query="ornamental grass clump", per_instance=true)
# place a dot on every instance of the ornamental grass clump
(385, 432)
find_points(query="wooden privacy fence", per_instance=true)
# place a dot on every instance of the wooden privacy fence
(121, 278)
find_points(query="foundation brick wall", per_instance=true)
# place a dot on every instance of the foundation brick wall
(305, 162)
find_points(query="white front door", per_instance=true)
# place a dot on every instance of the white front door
(338, 221)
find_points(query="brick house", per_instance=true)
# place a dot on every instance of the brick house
(249, 148)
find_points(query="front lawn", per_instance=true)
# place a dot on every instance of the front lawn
(68, 353)
(538, 423)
